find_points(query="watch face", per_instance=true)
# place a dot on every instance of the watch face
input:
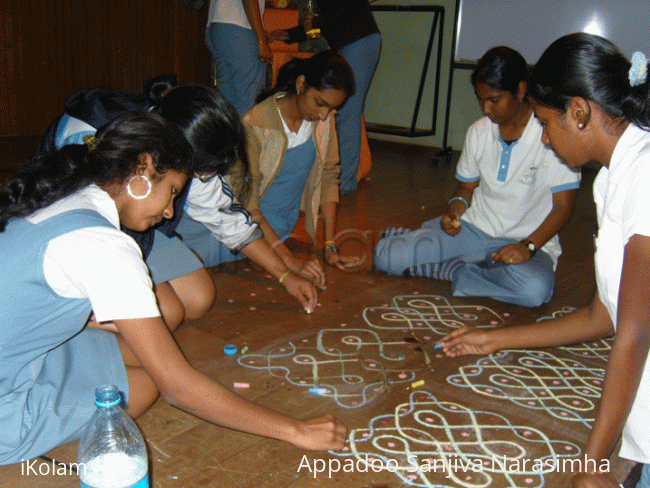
(531, 246)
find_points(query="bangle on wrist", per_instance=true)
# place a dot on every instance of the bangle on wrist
(284, 275)
(459, 198)
(330, 247)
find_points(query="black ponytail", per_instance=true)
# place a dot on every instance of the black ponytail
(210, 124)
(590, 67)
(112, 159)
(323, 70)
(501, 68)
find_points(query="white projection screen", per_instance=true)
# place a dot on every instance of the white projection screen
(530, 26)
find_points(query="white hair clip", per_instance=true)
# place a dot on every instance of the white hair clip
(639, 71)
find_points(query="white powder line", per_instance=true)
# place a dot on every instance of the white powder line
(158, 449)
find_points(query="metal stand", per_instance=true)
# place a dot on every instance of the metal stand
(438, 21)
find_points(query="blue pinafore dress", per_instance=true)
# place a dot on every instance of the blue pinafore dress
(281, 203)
(49, 363)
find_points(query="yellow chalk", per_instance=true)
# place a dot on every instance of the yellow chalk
(415, 384)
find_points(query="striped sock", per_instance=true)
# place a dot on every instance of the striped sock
(438, 271)
(394, 231)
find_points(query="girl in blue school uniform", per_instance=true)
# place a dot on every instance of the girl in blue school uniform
(182, 284)
(293, 158)
(498, 235)
(65, 255)
(594, 105)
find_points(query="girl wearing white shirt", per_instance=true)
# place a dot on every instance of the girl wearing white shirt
(292, 153)
(594, 106)
(63, 256)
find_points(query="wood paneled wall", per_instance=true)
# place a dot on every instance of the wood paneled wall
(50, 48)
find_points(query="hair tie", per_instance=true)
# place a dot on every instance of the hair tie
(639, 70)
(91, 141)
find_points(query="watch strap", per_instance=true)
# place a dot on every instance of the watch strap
(530, 245)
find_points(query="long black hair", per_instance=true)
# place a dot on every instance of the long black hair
(113, 159)
(501, 68)
(323, 70)
(209, 122)
(590, 67)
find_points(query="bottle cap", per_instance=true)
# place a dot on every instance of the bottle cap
(107, 396)
(230, 349)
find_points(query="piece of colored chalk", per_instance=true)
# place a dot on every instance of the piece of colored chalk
(318, 391)
(244, 349)
(415, 384)
(241, 385)
(230, 349)
(437, 346)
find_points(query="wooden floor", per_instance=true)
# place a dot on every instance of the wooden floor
(366, 345)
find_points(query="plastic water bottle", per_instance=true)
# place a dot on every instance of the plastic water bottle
(112, 452)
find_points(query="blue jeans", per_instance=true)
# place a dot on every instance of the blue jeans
(530, 283)
(363, 56)
(241, 75)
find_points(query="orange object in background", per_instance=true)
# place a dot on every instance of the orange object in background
(286, 18)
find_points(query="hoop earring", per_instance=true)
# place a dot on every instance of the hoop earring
(138, 197)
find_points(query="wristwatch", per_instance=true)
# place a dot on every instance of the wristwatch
(530, 245)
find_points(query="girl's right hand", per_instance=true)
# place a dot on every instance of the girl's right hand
(264, 52)
(320, 434)
(302, 290)
(450, 223)
(467, 340)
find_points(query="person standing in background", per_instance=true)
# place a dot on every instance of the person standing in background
(350, 29)
(240, 48)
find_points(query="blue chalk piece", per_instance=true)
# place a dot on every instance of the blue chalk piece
(230, 349)
(437, 346)
(318, 391)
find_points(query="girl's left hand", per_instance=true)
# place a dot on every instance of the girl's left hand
(309, 268)
(511, 254)
(342, 262)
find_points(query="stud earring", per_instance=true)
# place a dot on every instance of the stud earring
(581, 125)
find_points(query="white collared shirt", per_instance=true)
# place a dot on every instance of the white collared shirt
(517, 181)
(623, 208)
(101, 264)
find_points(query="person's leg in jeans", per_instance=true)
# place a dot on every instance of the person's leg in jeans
(529, 284)
(465, 259)
(240, 74)
(363, 56)
(402, 249)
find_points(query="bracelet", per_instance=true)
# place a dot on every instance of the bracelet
(275, 244)
(283, 276)
(330, 248)
(459, 198)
